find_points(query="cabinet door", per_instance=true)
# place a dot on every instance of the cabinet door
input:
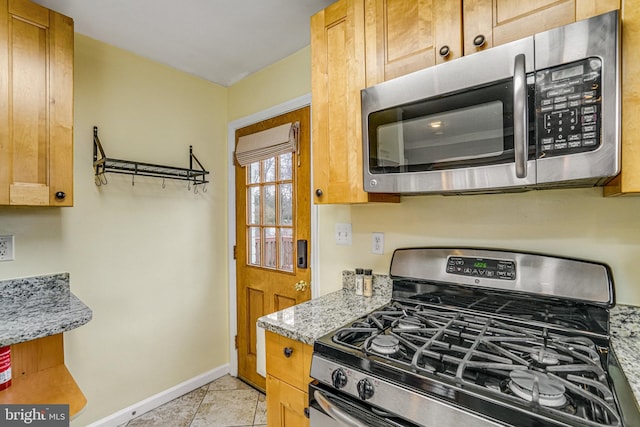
(289, 360)
(502, 21)
(285, 404)
(337, 76)
(36, 112)
(406, 36)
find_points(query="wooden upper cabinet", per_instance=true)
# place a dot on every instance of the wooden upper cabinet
(405, 36)
(628, 181)
(36, 109)
(496, 22)
(337, 76)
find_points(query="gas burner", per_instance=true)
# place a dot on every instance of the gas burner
(528, 384)
(409, 323)
(385, 344)
(545, 356)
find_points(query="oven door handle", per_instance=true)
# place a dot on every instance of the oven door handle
(335, 413)
(520, 115)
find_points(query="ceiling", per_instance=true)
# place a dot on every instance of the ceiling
(221, 41)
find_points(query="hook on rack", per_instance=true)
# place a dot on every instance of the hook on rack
(163, 186)
(101, 180)
(133, 181)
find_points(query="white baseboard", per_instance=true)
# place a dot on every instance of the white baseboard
(125, 415)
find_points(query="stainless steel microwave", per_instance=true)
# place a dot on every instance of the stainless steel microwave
(539, 112)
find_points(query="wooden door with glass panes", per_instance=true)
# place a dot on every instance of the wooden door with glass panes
(272, 215)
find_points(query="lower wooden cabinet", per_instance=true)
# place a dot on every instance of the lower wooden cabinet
(285, 404)
(288, 364)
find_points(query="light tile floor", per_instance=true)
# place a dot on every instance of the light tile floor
(224, 402)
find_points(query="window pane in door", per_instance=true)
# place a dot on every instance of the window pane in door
(285, 166)
(269, 204)
(269, 168)
(270, 252)
(254, 245)
(253, 173)
(254, 205)
(286, 249)
(286, 205)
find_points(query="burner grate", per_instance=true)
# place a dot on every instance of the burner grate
(557, 376)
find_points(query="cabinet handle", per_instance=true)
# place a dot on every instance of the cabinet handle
(479, 40)
(60, 195)
(306, 412)
(288, 351)
(444, 51)
(319, 192)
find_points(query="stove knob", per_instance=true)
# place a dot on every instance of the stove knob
(365, 389)
(339, 378)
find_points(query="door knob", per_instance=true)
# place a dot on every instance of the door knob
(301, 286)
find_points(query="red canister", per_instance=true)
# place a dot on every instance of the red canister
(5, 367)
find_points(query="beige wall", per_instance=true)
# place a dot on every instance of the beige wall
(150, 262)
(280, 82)
(574, 223)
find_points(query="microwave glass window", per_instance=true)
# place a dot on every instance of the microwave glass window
(465, 129)
(468, 133)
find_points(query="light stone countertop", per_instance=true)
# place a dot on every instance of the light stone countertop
(36, 307)
(312, 319)
(625, 340)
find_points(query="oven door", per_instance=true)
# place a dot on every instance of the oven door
(465, 125)
(330, 408)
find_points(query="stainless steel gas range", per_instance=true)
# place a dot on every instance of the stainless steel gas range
(477, 337)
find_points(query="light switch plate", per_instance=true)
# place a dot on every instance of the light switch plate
(343, 234)
(6, 248)
(377, 243)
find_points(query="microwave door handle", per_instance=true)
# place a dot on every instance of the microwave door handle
(520, 115)
(341, 417)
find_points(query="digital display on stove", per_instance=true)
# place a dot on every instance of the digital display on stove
(482, 267)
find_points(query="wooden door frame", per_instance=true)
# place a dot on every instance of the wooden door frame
(294, 104)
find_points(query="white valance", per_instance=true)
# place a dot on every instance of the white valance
(267, 143)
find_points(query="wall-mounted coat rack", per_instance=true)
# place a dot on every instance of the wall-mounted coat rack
(195, 174)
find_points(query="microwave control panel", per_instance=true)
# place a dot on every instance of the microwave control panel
(568, 102)
(482, 267)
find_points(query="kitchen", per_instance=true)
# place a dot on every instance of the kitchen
(152, 263)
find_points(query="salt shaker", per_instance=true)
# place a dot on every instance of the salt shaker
(359, 281)
(368, 283)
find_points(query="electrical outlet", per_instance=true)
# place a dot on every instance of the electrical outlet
(6, 248)
(377, 243)
(343, 234)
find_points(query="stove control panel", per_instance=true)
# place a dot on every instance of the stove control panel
(482, 267)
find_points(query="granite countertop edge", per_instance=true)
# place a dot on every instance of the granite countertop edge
(37, 307)
(312, 319)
